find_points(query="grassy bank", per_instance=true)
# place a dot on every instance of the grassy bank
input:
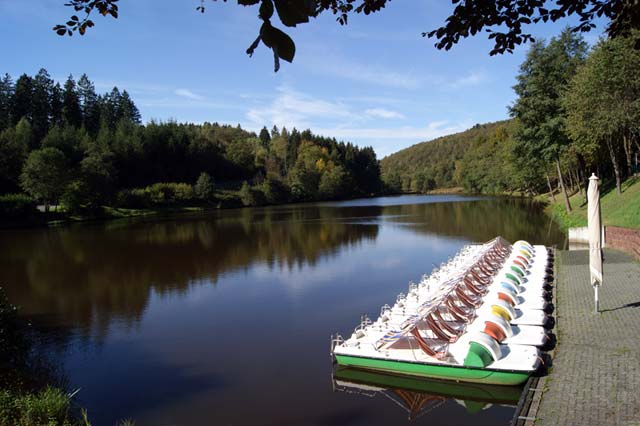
(623, 210)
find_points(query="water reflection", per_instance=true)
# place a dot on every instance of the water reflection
(224, 318)
(418, 396)
(90, 275)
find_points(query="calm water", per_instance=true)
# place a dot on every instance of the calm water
(225, 318)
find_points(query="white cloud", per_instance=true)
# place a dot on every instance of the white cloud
(292, 108)
(432, 130)
(391, 139)
(186, 93)
(384, 113)
(472, 79)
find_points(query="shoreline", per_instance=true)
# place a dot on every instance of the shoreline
(59, 219)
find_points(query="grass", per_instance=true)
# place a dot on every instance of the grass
(49, 407)
(617, 210)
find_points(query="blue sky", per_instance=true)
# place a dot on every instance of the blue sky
(374, 82)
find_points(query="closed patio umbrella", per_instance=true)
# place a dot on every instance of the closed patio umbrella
(595, 235)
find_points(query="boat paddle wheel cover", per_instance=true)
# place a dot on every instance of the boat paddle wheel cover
(483, 350)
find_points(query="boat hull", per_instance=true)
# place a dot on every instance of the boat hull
(436, 371)
(506, 395)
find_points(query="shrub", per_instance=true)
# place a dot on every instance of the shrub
(275, 191)
(74, 196)
(17, 206)
(251, 196)
(158, 194)
(204, 187)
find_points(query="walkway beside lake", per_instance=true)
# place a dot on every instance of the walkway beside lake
(595, 377)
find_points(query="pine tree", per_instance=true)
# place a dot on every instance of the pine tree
(41, 103)
(56, 106)
(127, 109)
(265, 137)
(89, 104)
(21, 104)
(110, 109)
(71, 112)
(6, 96)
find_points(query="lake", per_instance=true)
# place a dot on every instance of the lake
(224, 318)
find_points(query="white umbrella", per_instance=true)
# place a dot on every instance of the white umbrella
(595, 235)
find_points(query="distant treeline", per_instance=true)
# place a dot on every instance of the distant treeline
(577, 111)
(87, 150)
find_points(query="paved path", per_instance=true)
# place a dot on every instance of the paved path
(595, 378)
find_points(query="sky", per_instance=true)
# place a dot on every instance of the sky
(375, 82)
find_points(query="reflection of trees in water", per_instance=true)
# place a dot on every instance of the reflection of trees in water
(91, 275)
(482, 220)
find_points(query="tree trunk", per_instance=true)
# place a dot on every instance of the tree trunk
(616, 166)
(571, 184)
(553, 197)
(567, 203)
(579, 182)
(626, 143)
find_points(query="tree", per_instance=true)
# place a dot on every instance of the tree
(21, 104)
(14, 148)
(544, 76)
(204, 187)
(71, 111)
(265, 137)
(503, 20)
(127, 110)
(6, 96)
(333, 183)
(44, 175)
(89, 105)
(41, 103)
(97, 175)
(603, 102)
(57, 106)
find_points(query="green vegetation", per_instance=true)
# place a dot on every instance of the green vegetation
(88, 153)
(48, 407)
(577, 113)
(430, 165)
(26, 399)
(616, 210)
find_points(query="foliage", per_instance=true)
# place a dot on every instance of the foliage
(112, 160)
(49, 407)
(275, 191)
(504, 21)
(428, 165)
(250, 196)
(44, 174)
(17, 206)
(544, 76)
(204, 188)
(603, 102)
(158, 194)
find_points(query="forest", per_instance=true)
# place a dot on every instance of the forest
(577, 112)
(71, 147)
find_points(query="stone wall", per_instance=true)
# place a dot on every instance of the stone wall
(624, 239)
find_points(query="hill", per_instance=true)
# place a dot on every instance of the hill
(429, 165)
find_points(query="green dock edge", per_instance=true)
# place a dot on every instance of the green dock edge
(463, 374)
